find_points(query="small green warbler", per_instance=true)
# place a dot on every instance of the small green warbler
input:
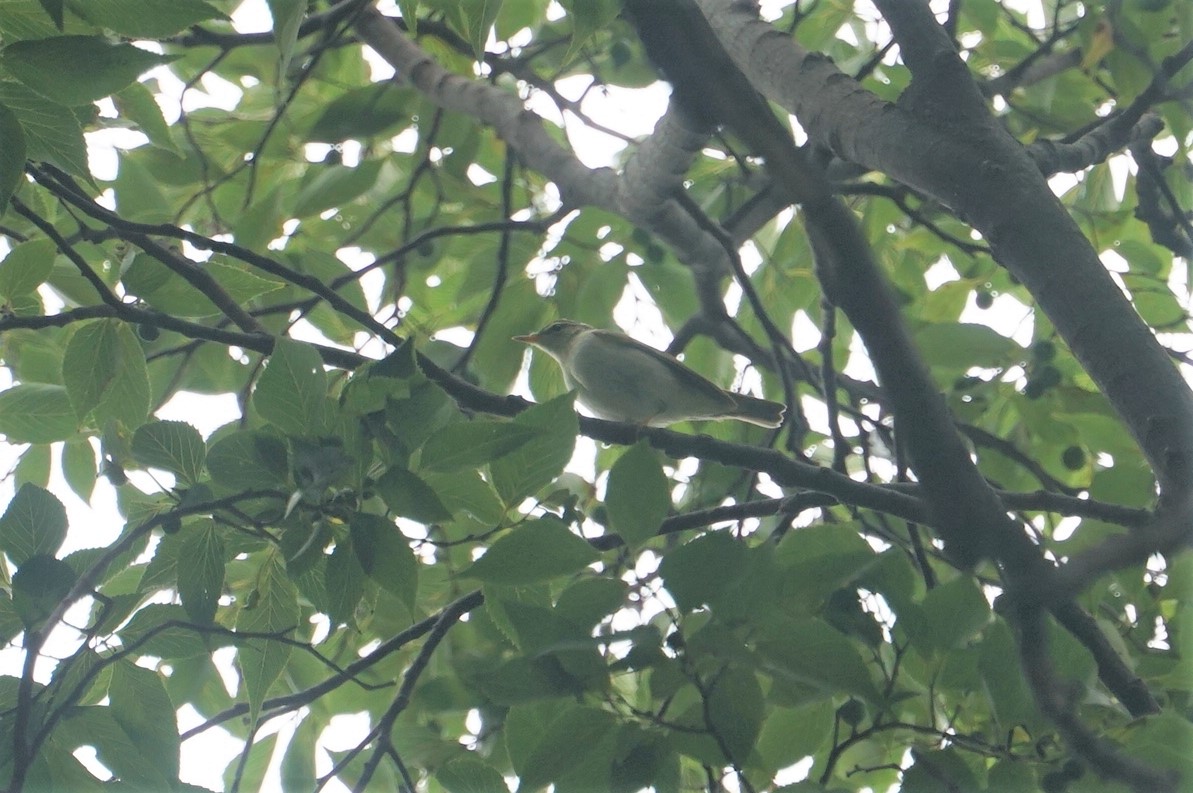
(620, 379)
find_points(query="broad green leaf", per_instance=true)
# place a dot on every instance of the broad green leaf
(697, 572)
(104, 371)
(385, 555)
(1164, 740)
(790, 734)
(590, 600)
(248, 459)
(98, 727)
(962, 345)
(162, 630)
(52, 131)
(145, 19)
(272, 610)
(564, 745)
(334, 186)
(735, 707)
(469, 775)
(78, 467)
(75, 70)
(38, 586)
(34, 523)
(292, 391)
(525, 471)
(363, 113)
(298, 765)
(637, 495)
(809, 652)
(287, 18)
(252, 775)
(37, 413)
(33, 467)
(54, 9)
(466, 492)
(537, 550)
(475, 19)
(136, 103)
(819, 559)
(171, 445)
(201, 578)
(408, 496)
(950, 615)
(588, 17)
(26, 267)
(143, 710)
(345, 580)
(157, 285)
(12, 158)
(469, 444)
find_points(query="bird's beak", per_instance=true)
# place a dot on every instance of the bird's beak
(531, 339)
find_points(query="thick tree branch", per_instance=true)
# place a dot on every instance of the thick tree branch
(974, 166)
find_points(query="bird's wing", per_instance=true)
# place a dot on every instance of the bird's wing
(684, 377)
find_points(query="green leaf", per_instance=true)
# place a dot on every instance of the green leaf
(637, 496)
(466, 492)
(525, 471)
(822, 559)
(566, 742)
(248, 459)
(79, 468)
(344, 578)
(201, 578)
(298, 765)
(33, 467)
(174, 446)
(470, 444)
(950, 615)
(334, 186)
(962, 345)
(12, 162)
(75, 70)
(162, 629)
(37, 413)
(26, 267)
(408, 496)
(790, 734)
(809, 652)
(97, 726)
(52, 131)
(587, 18)
(385, 555)
(103, 369)
(469, 775)
(143, 710)
(38, 586)
(160, 287)
(54, 9)
(292, 391)
(697, 572)
(287, 18)
(145, 19)
(34, 523)
(274, 609)
(538, 550)
(363, 113)
(475, 18)
(735, 709)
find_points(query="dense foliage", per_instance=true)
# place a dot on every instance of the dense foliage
(956, 567)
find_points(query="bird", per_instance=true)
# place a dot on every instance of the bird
(620, 379)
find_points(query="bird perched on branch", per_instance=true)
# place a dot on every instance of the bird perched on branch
(621, 379)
